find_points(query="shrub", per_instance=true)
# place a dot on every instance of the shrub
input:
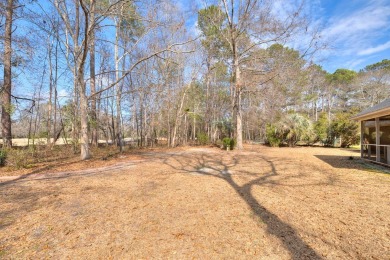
(3, 157)
(346, 129)
(321, 129)
(202, 138)
(272, 136)
(294, 128)
(290, 129)
(18, 158)
(232, 143)
(341, 127)
(226, 142)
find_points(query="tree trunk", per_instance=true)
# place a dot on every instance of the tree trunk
(178, 115)
(141, 116)
(76, 86)
(6, 92)
(56, 97)
(237, 104)
(118, 87)
(94, 120)
(84, 141)
(50, 104)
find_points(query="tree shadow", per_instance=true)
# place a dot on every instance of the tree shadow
(210, 166)
(33, 173)
(26, 197)
(346, 162)
(337, 161)
(23, 198)
(40, 174)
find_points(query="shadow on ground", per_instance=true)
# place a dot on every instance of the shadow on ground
(218, 168)
(215, 165)
(34, 173)
(352, 162)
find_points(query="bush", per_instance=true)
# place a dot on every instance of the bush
(226, 142)
(341, 127)
(3, 157)
(18, 158)
(202, 138)
(345, 129)
(294, 128)
(232, 143)
(272, 136)
(290, 129)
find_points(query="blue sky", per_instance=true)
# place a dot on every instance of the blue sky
(358, 32)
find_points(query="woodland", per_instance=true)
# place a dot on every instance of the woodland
(124, 72)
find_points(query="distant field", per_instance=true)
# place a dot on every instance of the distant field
(40, 141)
(43, 141)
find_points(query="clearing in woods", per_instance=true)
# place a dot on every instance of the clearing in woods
(272, 203)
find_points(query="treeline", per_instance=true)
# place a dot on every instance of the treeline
(325, 110)
(119, 70)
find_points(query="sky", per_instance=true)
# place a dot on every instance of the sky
(358, 32)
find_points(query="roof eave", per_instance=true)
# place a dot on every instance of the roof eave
(378, 113)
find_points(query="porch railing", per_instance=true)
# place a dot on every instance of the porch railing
(370, 151)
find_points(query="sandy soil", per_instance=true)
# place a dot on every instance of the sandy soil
(202, 203)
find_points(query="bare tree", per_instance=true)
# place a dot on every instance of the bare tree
(94, 120)
(79, 52)
(6, 106)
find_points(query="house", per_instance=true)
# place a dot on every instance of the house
(375, 132)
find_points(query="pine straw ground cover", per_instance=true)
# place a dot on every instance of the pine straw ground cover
(202, 203)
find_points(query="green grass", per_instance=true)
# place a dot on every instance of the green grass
(355, 147)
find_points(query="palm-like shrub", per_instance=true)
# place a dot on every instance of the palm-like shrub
(274, 138)
(294, 128)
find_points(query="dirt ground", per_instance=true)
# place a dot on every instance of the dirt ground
(201, 203)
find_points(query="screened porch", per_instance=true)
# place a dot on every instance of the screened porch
(375, 133)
